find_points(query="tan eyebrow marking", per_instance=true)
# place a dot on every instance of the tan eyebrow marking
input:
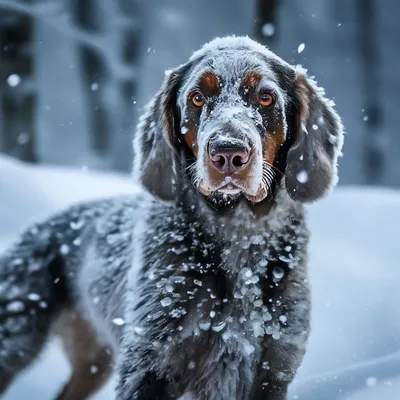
(209, 83)
(252, 79)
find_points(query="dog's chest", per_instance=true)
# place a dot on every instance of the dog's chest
(239, 302)
(218, 301)
(234, 324)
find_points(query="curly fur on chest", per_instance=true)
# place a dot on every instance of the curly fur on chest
(204, 303)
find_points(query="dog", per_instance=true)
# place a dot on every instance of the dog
(198, 285)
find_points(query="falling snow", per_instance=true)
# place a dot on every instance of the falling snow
(14, 80)
(301, 48)
(371, 381)
(94, 86)
(268, 29)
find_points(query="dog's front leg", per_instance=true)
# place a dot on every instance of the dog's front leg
(145, 387)
(137, 379)
(269, 388)
(282, 355)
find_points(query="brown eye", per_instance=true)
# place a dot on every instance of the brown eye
(266, 99)
(198, 99)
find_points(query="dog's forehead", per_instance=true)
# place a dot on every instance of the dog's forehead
(231, 66)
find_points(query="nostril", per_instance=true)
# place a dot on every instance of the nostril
(238, 161)
(230, 162)
(219, 161)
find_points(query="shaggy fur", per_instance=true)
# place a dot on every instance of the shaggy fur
(198, 285)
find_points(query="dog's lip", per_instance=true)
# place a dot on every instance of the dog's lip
(259, 196)
(204, 188)
(227, 186)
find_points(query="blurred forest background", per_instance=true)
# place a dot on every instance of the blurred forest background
(75, 74)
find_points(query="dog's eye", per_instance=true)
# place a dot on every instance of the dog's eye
(266, 99)
(198, 99)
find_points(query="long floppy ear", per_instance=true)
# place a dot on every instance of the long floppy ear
(311, 170)
(155, 139)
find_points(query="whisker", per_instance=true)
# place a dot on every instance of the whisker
(267, 164)
(189, 167)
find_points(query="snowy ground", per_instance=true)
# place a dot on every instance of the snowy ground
(354, 350)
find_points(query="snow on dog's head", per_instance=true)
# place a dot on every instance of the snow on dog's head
(239, 122)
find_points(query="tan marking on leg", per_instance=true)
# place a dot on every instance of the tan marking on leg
(91, 360)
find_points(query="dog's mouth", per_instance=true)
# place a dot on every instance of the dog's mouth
(230, 187)
(227, 186)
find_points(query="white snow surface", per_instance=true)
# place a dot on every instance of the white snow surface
(354, 348)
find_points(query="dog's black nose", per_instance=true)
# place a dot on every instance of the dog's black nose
(228, 155)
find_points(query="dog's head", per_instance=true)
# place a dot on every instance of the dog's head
(241, 119)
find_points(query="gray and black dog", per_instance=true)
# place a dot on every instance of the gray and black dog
(197, 286)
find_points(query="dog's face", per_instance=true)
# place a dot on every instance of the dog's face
(242, 119)
(232, 119)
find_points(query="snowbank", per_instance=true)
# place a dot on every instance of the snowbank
(354, 351)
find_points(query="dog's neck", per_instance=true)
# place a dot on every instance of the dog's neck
(241, 219)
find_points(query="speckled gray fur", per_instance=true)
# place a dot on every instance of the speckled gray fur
(200, 297)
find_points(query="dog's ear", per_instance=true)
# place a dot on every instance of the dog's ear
(311, 169)
(155, 140)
